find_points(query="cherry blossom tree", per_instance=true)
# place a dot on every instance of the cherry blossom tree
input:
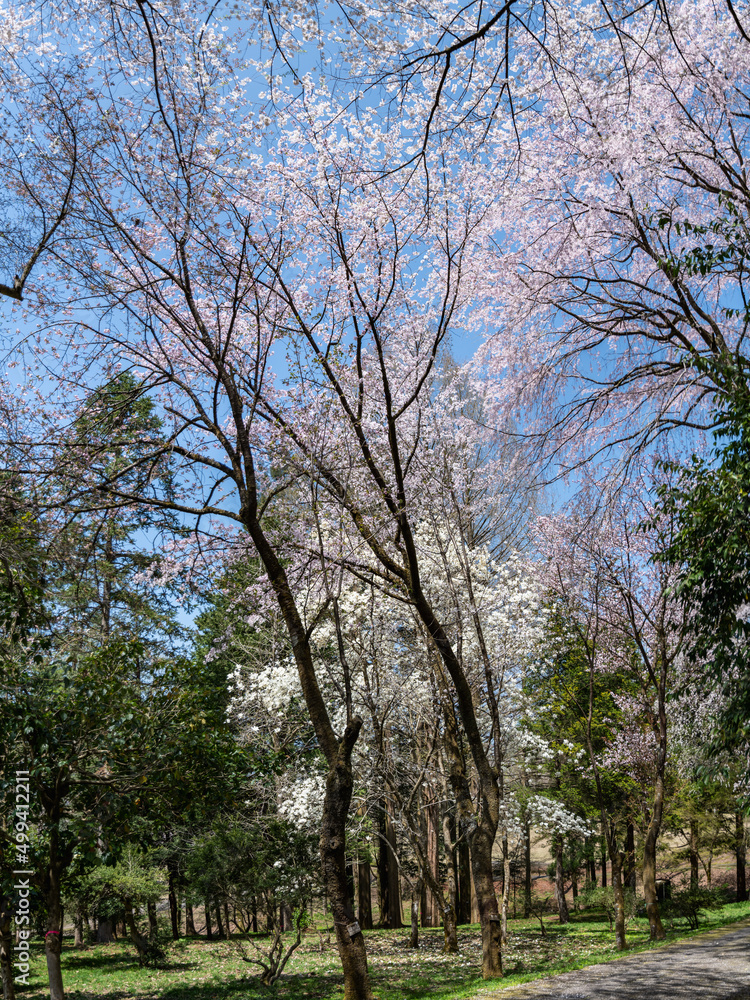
(621, 267)
(623, 608)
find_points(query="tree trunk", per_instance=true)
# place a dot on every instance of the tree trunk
(6, 948)
(693, 855)
(740, 850)
(395, 910)
(140, 942)
(174, 912)
(604, 863)
(209, 932)
(450, 933)
(104, 931)
(506, 893)
(414, 934)
(656, 930)
(463, 866)
(482, 840)
(562, 905)
(430, 903)
(153, 926)
(226, 919)
(189, 920)
(78, 930)
(52, 939)
(338, 754)
(619, 892)
(628, 874)
(527, 872)
(349, 938)
(364, 910)
(219, 925)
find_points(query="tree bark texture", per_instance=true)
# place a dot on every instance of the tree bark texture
(506, 893)
(430, 903)
(104, 932)
(740, 847)
(619, 892)
(562, 905)
(364, 882)
(414, 932)
(6, 947)
(628, 874)
(174, 910)
(189, 920)
(339, 784)
(219, 923)
(53, 937)
(481, 843)
(153, 926)
(463, 866)
(450, 931)
(140, 942)
(527, 871)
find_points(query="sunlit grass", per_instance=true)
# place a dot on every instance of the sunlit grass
(213, 970)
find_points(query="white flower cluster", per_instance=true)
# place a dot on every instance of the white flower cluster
(274, 687)
(551, 816)
(301, 801)
(534, 748)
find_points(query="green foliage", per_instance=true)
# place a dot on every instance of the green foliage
(263, 860)
(132, 878)
(691, 902)
(708, 503)
(603, 897)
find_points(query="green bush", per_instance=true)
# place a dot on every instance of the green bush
(603, 897)
(691, 901)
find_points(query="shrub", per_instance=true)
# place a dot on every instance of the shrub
(690, 902)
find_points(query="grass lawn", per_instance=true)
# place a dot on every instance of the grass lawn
(202, 970)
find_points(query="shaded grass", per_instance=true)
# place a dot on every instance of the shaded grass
(197, 969)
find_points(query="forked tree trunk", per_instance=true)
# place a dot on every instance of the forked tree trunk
(140, 942)
(338, 752)
(219, 924)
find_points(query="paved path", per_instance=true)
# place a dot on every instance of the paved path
(714, 966)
